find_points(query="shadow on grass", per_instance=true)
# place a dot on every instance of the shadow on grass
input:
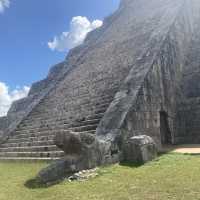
(36, 184)
(131, 164)
(140, 164)
(191, 154)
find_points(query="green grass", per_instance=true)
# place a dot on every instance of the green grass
(171, 176)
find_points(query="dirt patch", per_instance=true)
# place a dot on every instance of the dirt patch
(185, 148)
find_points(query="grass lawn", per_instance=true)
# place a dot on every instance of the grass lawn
(171, 176)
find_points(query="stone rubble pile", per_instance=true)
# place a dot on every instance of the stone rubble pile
(84, 175)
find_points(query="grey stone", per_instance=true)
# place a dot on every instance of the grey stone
(81, 151)
(74, 143)
(1, 136)
(82, 147)
(140, 149)
(136, 75)
(57, 171)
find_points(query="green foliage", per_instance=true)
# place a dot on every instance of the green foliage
(171, 176)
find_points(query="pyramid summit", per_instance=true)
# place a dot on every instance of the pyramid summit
(136, 76)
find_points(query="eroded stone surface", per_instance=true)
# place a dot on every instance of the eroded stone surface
(58, 171)
(140, 149)
(131, 77)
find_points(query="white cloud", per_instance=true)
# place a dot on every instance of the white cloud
(7, 97)
(4, 4)
(79, 28)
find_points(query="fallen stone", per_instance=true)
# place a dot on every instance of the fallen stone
(73, 143)
(57, 171)
(81, 153)
(140, 149)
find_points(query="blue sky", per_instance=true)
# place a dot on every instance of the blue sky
(36, 34)
(28, 25)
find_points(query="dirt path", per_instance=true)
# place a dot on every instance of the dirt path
(186, 148)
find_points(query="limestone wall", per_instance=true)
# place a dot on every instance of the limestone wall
(188, 115)
(101, 64)
(153, 84)
(158, 93)
(188, 123)
(139, 52)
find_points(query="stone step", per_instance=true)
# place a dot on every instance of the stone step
(48, 121)
(42, 122)
(93, 131)
(31, 139)
(37, 133)
(105, 96)
(44, 127)
(45, 130)
(56, 121)
(30, 149)
(33, 130)
(107, 100)
(46, 116)
(107, 93)
(98, 115)
(42, 154)
(78, 99)
(51, 101)
(86, 103)
(37, 139)
(102, 110)
(46, 137)
(85, 122)
(27, 144)
(84, 128)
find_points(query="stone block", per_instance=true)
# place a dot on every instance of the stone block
(140, 149)
(57, 171)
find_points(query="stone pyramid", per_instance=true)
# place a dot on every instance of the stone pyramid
(136, 75)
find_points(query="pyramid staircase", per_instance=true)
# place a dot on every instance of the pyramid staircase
(34, 137)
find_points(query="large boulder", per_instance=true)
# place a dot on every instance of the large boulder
(139, 149)
(81, 152)
(57, 171)
(83, 147)
(85, 151)
(74, 143)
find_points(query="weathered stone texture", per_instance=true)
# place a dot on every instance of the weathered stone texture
(188, 112)
(139, 149)
(131, 77)
(57, 171)
(21, 108)
(129, 40)
(153, 84)
(3, 123)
